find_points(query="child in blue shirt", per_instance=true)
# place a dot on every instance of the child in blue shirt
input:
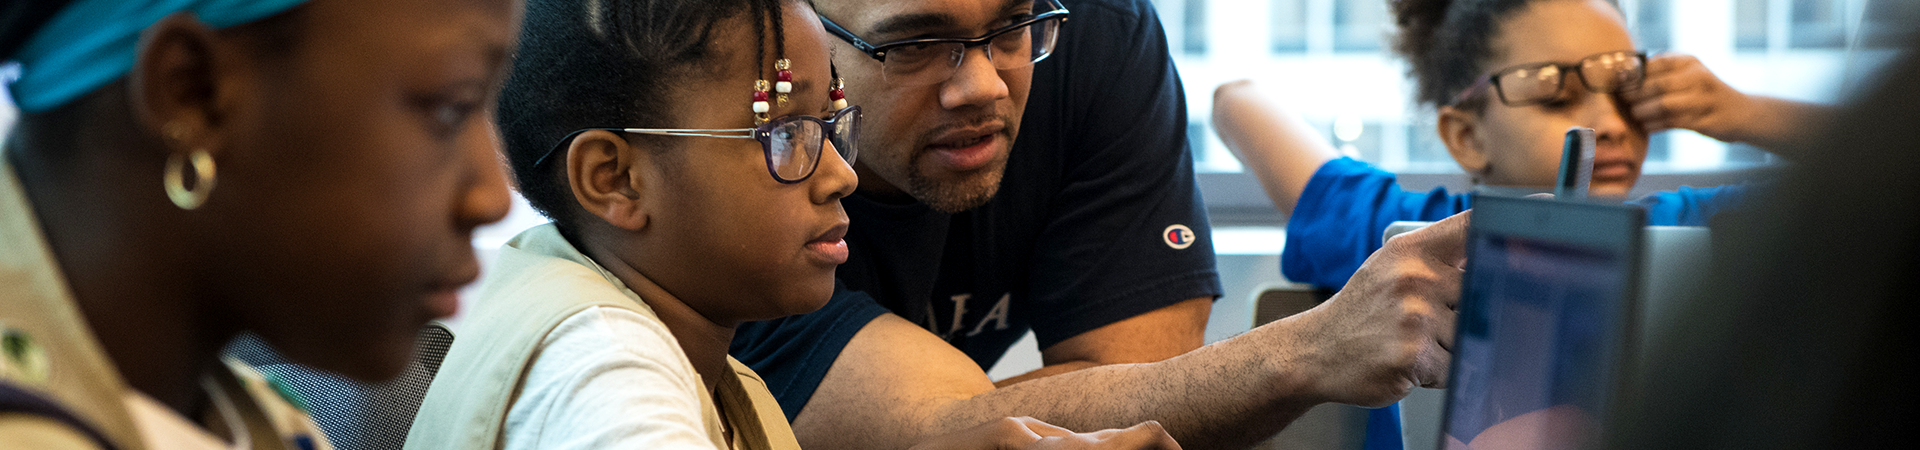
(1507, 80)
(1500, 129)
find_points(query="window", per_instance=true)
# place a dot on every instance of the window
(1659, 148)
(1743, 154)
(1652, 28)
(1197, 133)
(1193, 30)
(1289, 31)
(1424, 148)
(8, 72)
(1360, 25)
(1358, 138)
(1818, 24)
(1750, 25)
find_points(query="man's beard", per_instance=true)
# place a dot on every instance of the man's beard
(974, 188)
(961, 195)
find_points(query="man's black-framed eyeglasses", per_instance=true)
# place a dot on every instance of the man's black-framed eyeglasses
(918, 62)
(1542, 82)
(792, 144)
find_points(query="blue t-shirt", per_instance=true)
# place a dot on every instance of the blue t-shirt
(1348, 204)
(1097, 220)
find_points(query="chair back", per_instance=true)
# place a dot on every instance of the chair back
(1327, 426)
(355, 415)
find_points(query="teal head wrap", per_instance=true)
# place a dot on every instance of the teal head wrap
(92, 42)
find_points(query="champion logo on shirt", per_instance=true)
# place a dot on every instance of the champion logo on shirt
(1177, 236)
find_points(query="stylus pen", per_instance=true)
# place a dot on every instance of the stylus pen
(1576, 164)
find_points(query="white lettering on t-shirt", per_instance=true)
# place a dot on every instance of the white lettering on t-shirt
(997, 314)
(928, 321)
(959, 312)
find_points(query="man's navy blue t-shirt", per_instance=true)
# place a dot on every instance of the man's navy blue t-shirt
(1097, 220)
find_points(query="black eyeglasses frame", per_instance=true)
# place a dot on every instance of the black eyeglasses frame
(1492, 79)
(879, 52)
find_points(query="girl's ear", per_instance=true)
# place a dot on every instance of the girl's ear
(1457, 129)
(181, 85)
(599, 169)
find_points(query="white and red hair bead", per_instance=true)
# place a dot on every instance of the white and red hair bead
(838, 94)
(760, 106)
(783, 79)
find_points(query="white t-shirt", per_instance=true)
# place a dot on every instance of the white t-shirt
(608, 378)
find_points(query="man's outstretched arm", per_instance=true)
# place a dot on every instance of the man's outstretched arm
(1163, 333)
(1387, 332)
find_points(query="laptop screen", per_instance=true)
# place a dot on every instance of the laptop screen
(1541, 325)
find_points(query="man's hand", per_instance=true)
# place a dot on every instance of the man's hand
(1027, 433)
(1391, 328)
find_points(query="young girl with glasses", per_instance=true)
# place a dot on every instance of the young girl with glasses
(692, 155)
(187, 170)
(1508, 78)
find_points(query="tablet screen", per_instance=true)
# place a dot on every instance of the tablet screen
(1538, 331)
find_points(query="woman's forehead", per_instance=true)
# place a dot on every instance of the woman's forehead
(433, 25)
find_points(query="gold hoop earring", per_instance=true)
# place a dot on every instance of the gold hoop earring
(203, 179)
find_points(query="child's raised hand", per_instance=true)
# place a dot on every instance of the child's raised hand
(1680, 93)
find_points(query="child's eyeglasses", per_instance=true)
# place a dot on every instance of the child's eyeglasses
(791, 144)
(1542, 82)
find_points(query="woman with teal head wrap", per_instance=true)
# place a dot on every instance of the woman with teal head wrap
(92, 42)
(186, 170)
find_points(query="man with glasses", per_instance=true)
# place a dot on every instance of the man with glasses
(1086, 229)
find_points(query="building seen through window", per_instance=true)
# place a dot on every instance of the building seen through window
(1194, 38)
(1750, 25)
(1361, 25)
(1652, 23)
(1289, 26)
(1818, 24)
